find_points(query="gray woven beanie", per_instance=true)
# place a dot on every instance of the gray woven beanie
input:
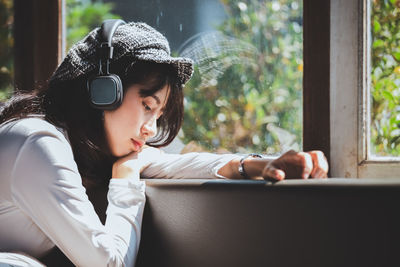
(136, 40)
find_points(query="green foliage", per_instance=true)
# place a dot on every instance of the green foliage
(6, 49)
(385, 77)
(247, 94)
(85, 15)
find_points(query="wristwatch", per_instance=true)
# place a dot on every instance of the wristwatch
(241, 165)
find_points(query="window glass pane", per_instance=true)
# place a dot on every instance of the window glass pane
(246, 93)
(6, 47)
(385, 78)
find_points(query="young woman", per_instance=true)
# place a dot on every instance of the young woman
(54, 145)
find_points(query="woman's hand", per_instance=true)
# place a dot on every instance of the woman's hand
(127, 167)
(292, 165)
(131, 165)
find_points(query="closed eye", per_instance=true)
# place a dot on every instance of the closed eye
(146, 107)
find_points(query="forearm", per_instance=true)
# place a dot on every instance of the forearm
(190, 165)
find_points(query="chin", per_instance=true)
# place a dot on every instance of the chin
(120, 152)
(121, 149)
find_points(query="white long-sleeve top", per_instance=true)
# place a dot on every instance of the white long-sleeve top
(43, 202)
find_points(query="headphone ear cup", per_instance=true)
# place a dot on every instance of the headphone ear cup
(105, 91)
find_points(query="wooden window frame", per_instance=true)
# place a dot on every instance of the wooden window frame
(350, 96)
(38, 31)
(316, 79)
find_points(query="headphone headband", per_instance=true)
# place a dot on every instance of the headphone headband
(108, 27)
(105, 90)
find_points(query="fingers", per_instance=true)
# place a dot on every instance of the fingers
(307, 164)
(270, 172)
(320, 164)
(295, 165)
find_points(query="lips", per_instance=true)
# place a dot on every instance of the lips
(137, 144)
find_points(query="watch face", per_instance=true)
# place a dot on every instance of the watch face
(241, 167)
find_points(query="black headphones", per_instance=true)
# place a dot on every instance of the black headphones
(105, 89)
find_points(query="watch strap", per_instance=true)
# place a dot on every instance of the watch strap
(241, 164)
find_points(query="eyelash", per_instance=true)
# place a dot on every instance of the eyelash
(146, 106)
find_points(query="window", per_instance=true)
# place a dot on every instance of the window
(384, 81)
(6, 49)
(246, 93)
(351, 66)
(335, 77)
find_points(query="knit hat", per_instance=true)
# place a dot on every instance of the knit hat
(136, 40)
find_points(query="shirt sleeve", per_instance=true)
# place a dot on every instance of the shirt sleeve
(47, 186)
(191, 165)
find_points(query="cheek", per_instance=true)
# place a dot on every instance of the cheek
(116, 131)
(120, 126)
(110, 124)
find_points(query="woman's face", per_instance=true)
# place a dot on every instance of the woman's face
(128, 127)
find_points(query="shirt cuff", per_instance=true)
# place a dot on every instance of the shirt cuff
(124, 192)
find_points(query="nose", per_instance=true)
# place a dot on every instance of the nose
(149, 128)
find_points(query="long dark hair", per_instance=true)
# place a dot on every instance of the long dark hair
(65, 105)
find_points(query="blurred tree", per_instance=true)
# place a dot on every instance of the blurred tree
(247, 88)
(6, 49)
(246, 93)
(85, 15)
(385, 77)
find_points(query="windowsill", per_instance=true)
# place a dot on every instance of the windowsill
(312, 183)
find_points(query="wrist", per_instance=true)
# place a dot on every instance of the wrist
(251, 166)
(125, 169)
